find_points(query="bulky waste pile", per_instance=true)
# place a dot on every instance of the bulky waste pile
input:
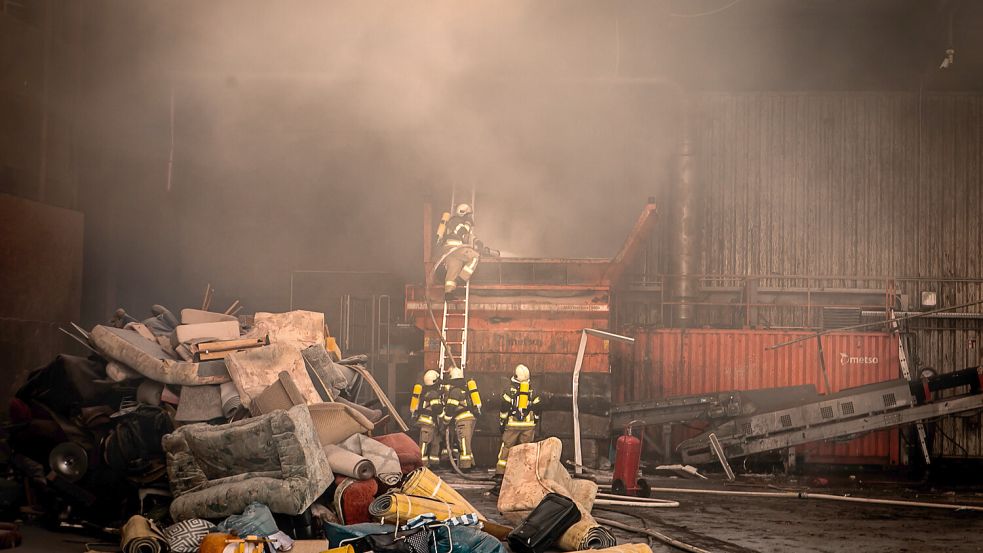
(212, 432)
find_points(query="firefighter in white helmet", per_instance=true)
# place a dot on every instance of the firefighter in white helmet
(426, 406)
(461, 406)
(457, 247)
(518, 416)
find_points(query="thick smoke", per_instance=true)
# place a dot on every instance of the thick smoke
(307, 134)
(450, 90)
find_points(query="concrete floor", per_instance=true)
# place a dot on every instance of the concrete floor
(744, 524)
(39, 540)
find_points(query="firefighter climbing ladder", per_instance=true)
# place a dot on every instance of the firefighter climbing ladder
(454, 324)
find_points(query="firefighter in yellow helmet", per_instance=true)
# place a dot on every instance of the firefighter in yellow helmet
(426, 406)
(457, 246)
(462, 405)
(518, 416)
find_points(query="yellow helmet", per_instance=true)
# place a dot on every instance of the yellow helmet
(522, 373)
(430, 377)
(463, 209)
(457, 372)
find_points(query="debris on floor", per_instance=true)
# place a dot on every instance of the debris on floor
(177, 429)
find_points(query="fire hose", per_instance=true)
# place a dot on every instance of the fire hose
(826, 496)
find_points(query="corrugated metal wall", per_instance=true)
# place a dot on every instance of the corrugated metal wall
(863, 186)
(676, 362)
(843, 184)
(851, 184)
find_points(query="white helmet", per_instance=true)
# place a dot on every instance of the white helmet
(457, 372)
(430, 377)
(463, 209)
(521, 373)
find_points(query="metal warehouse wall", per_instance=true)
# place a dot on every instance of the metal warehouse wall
(864, 187)
(839, 184)
(858, 184)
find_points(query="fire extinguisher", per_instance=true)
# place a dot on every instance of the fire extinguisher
(627, 458)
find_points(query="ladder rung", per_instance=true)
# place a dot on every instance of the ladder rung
(455, 343)
(456, 314)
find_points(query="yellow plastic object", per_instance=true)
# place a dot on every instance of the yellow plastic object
(342, 549)
(331, 345)
(422, 482)
(475, 396)
(396, 506)
(415, 399)
(523, 403)
(442, 227)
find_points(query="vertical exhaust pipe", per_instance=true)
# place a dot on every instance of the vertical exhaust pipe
(686, 225)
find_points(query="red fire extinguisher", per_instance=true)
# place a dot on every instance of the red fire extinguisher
(627, 458)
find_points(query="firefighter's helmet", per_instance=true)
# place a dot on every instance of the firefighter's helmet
(522, 373)
(457, 372)
(430, 377)
(464, 209)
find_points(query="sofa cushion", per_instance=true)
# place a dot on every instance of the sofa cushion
(231, 449)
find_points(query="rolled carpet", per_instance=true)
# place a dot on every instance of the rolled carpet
(231, 401)
(586, 534)
(347, 463)
(393, 507)
(352, 499)
(140, 535)
(624, 548)
(422, 482)
(387, 468)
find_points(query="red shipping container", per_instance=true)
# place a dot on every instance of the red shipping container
(666, 363)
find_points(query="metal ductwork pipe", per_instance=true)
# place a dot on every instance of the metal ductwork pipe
(686, 226)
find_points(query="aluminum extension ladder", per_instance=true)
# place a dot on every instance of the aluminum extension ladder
(454, 330)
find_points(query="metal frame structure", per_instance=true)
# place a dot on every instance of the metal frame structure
(845, 414)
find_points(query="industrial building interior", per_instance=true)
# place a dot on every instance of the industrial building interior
(434, 277)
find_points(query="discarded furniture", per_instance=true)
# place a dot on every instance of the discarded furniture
(275, 459)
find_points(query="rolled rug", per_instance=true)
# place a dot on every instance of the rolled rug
(230, 399)
(396, 506)
(352, 499)
(347, 463)
(624, 548)
(140, 535)
(387, 467)
(586, 534)
(423, 482)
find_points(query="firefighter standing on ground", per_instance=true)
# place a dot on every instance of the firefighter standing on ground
(462, 405)
(426, 406)
(518, 416)
(457, 247)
